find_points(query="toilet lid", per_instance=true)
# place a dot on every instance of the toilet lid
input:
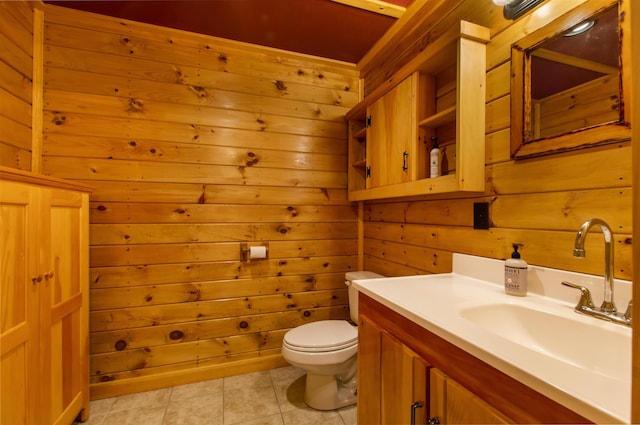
(324, 335)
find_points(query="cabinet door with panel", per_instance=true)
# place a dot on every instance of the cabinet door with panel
(451, 403)
(393, 381)
(44, 306)
(393, 148)
(19, 298)
(404, 383)
(369, 369)
(65, 308)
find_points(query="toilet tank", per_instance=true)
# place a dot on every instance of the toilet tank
(353, 292)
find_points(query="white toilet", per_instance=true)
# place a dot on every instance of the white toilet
(327, 351)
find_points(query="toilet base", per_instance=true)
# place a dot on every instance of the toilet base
(326, 392)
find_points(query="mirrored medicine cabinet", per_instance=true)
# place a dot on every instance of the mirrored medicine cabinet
(569, 89)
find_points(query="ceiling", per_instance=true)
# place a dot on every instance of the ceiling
(337, 29)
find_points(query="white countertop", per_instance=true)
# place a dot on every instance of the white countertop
(600, 392)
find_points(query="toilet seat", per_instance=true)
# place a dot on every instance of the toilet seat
(322, 336)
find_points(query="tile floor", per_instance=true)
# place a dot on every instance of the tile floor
(273, 397)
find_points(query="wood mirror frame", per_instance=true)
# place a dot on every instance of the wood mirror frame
(525, 146)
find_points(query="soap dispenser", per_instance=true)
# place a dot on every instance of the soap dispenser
(515, 274)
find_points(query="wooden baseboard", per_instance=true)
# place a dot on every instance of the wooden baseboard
(181, 377)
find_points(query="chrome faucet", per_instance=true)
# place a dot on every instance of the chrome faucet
(607, 310)
(608, 306)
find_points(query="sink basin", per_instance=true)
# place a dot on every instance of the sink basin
(582, 341)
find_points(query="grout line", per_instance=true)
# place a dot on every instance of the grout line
(166, 407)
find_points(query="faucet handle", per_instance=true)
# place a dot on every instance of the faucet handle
(585, 302)
(627, 314)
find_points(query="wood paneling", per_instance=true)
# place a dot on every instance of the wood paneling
(538, 202)
(195, 144)
(635, 129)
(16, 85)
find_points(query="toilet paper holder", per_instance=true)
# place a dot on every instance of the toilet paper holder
(246, 253)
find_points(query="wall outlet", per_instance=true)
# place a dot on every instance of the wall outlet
(481, 215)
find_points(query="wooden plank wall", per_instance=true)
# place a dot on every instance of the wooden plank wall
(16, 76)
(539, 202)
(196, 145)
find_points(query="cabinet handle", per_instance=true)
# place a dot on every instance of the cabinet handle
(405, 156)
(433, 421)
(414, 406)
(36, 279)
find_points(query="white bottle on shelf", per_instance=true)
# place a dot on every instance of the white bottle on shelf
(434, 158)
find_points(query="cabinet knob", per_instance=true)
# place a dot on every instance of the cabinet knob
(36, 279)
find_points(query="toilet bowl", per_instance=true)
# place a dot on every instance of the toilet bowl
(327, 350)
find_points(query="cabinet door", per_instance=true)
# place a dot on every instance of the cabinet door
(43, 312)
(451, 403)
(369, 391)
(403, 383)
(66, 324)
(392, 135)
(18, 304)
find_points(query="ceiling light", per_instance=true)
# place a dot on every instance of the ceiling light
(580, 28)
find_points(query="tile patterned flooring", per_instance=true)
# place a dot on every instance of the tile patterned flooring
(273, 397)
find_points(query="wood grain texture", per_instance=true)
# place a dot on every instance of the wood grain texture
(195, 145)
(16, 84)
(634, 23)
(538, 202)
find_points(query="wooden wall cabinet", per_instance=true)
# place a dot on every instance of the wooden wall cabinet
(440, 93)
(44, 300)
(401, 363)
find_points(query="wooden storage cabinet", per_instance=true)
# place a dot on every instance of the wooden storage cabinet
(394, 388)
(43, 305)
(401, 363)
(440, 93)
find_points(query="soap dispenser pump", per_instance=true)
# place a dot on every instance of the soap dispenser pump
(515, 274)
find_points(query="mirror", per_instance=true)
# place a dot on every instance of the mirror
(567, 87)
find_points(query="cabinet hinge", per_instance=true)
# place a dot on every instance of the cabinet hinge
(368, 172)
(368, 121)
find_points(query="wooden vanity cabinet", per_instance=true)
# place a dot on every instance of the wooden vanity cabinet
(460, 388)
(44, 371)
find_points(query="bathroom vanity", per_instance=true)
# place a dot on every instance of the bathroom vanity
(455, 347)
